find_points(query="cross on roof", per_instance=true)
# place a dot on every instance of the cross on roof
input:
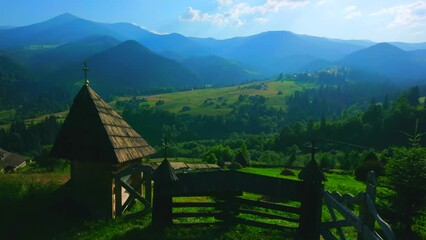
(313, 150)
(85, 70)
(166, 147)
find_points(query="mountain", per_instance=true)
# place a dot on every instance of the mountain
(68, 28)
(60, 30)
(281, 51)
(219, 71)
(71, 53)
(14, 83)
(63, 41)
(129, 67)
(388, 60)
(409, 46)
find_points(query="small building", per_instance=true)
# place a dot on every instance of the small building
(98, 143)
(9, 162)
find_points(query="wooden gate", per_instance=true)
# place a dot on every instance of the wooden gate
(133, 182)
(230, 205)
(364, 223)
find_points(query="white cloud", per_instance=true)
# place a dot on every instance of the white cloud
(261, 20)
(351, 8)
(224, 2)
(351, 12)
(353, 15)
(411, 15)
(149, 30)
(236, 12)
(195, 15)
(320, 3)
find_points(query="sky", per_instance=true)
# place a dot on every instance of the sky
(376, 20)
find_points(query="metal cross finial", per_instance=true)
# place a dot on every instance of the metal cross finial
(166, 147)
(313, 150)
(85, 70)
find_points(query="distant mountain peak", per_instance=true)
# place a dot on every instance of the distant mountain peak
(63, 18)
(385, 46)
(384, 49)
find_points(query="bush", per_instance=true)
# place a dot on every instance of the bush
(287, 172)
(370, 163)
(235, 166)
(185, 108)
(407, 176)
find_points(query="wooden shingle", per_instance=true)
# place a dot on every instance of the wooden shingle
(93, 131)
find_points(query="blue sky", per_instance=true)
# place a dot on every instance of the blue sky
(377, 20)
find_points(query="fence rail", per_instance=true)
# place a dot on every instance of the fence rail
(364, 223)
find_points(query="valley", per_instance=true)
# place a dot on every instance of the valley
(262, 106)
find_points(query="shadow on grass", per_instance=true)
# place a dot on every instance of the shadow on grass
(31, 210)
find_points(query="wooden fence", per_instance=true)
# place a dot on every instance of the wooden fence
(226, 187)
(364, 223)
(229, 206)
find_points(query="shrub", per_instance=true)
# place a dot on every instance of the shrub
(185, 108)
(370, 163)
(235, 166)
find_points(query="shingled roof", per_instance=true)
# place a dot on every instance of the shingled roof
(93, 131)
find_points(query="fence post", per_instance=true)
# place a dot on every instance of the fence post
(118, 198)
(311, 205)
(366, 217)
(164, 177)
(148, 187)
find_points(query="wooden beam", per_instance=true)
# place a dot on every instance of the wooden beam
(268, 215)
(264, 225)
(196, 214)
(195, 204)
(134, 193)
(269, 205)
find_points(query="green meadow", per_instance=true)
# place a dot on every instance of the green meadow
(219, 101)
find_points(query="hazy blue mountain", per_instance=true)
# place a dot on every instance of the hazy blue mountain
(62, 29)
(218, 71)
(274, 52)
(71, 53)
(6, 27)
(409, 46)
(130, 66)
(362, 43)
(317, 65)
(386, 59)
(267, 53)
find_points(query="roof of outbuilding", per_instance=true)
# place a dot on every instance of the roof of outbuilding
(93, 131)
(13, 160)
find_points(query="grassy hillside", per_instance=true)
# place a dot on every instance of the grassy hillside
(218, 101)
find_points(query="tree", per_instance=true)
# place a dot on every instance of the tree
(407, 176)
(44, 160)
(241, 159)
(370, 163)
(211, 158)
(413, 96)
(245, 152)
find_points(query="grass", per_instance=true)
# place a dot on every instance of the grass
(35, 200)
(219, 100)
(335, 182)
(6, 116)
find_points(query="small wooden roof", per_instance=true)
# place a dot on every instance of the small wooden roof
(13, 160)
(94, 132)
